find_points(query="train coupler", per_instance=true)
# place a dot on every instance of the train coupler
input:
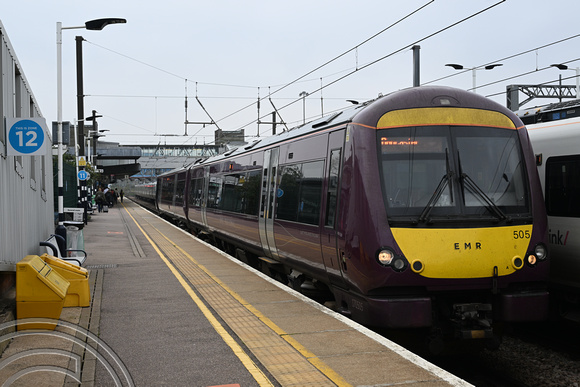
(472, 321)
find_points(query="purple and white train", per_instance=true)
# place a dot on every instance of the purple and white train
(555, 134)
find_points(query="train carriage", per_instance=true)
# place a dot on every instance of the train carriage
(422, 208)
(556, 141)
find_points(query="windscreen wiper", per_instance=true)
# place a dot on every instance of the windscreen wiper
(489, 204)
(467, 182)
(447, 179)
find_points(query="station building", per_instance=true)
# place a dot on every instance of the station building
(158, 159)
(26, 181)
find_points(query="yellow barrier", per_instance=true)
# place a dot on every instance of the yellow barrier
(40, 292)
(78, 293)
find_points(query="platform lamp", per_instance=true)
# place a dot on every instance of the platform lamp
(561, 66)
(473, 70)
(94, 25)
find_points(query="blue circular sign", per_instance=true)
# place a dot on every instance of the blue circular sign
(26, 136)
(83, 175)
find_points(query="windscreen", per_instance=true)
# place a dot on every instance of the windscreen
(444, 172)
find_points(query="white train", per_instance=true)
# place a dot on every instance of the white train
(555, 137)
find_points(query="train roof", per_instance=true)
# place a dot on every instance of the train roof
(333, 119)
(551, 112)
(368, 113)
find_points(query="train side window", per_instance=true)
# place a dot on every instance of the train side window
(251, 193)
(232, 192)
(240, 192)
(300, 192)
(167, 189)
(332, 193)
(563, 186)
(214, 192)
(195, 192)
(289, 192)
(180, 189)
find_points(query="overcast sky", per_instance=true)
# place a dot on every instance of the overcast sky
(227, 53)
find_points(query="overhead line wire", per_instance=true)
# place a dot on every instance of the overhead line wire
(528, 73)
(522, 74)
(297, 79)
(393, 53)
(504, 59)
(242, 86)
(414, 43)
(540, 84)
(354, 48)
(181, 97)
(165, 71)
(326, 63)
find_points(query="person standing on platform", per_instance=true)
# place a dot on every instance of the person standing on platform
(109, 196)
(100, 199)
(121, 194)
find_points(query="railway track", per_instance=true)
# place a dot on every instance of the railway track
(531, 355)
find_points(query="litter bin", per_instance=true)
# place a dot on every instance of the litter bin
(74, 235)
(40, 292)
(78, 293)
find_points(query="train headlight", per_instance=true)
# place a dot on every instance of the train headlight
(385, 257)
(399, 264)
(540, 254)
(541, 251)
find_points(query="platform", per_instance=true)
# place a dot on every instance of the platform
(168, 309)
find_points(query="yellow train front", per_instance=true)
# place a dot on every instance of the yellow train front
(442, 221)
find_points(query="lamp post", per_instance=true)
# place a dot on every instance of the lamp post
(577, 69)
(88, 144)
(473, 70)
(95, 25)
(95, 134)
(89, 156)
(95, 130)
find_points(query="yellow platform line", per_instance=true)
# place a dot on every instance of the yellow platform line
(287, 365)
(309, 356)
(256, 373)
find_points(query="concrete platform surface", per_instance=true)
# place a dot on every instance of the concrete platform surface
(170, 310)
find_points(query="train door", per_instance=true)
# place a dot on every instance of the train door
(204, 195)
(158, 193)
(332, 253)
(268, 201)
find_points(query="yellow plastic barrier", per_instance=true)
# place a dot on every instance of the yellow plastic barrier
(40, 292)
(78, 293)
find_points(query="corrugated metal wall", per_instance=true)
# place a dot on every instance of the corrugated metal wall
(26, 182)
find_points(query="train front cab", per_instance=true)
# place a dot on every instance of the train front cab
(461, 234)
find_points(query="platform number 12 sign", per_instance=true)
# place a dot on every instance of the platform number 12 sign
(26, 136)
